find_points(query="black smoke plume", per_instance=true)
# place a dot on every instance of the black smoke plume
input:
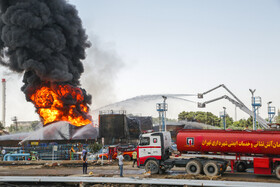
(45, 40)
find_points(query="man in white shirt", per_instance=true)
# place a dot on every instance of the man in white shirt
(120, 158)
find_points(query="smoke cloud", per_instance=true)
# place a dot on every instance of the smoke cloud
(102, 66)
(45, 40)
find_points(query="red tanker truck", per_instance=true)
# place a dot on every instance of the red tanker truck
(210, 151)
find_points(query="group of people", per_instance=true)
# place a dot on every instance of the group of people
(119, 157)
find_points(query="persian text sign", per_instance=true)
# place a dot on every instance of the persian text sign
(217, 143)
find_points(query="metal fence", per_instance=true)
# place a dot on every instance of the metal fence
(47, 151)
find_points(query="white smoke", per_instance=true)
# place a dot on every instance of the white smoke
(102, 66)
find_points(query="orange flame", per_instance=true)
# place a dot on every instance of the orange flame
(61, 103)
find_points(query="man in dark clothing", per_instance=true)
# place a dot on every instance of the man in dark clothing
(85, 163)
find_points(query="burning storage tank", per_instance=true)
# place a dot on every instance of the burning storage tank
(243, 142)
(63, 131)
(61, 103)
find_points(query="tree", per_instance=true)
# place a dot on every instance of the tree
(156, 120)
(211, 119)
(229, 122)
(242, 124)
(94, 147)
(277, 119)
(249, 122)
(35, 125)
(12, 128)
(189, 116)
(202, 117)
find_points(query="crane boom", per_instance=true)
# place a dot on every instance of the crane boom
(237, 103)
(221, 85)
(200, 95)
(261, 121)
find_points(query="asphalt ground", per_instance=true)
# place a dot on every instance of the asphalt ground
(74, 168)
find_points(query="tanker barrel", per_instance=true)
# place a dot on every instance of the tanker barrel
(222, 141)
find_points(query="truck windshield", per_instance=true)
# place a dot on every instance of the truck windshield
(144, 141)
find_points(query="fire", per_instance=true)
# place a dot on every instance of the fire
(61, 103)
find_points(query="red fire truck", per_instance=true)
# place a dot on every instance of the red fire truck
(114, 149)
(210, 151)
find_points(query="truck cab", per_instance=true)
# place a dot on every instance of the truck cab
(153, 149)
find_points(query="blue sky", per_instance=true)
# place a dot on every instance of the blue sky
(191, 46)
(181, 46)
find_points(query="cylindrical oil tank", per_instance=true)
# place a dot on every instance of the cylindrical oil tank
(229, 141)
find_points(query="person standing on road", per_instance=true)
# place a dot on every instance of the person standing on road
(84, 151)
(120, 158)
(134, 157)
(110, 155)
(85, 163)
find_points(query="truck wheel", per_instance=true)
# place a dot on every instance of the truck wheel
(127, 157)
(277, 172)
(211, 168)
(240, 167)
(152, 166)
(193, 167)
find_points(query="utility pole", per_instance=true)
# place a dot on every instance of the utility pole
(225, 118)
(14, 119)
(223, 115)
(256, 104)
(235, 116)
(4, 102)
(271, 111)
(253, 108)
(162, 108)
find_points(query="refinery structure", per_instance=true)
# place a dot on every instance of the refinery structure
(117, 127)
(46, 43)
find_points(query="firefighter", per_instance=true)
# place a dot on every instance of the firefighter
(85, 163)
(134, 158)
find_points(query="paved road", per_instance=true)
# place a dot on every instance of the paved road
(129, 171)
(125, 181)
